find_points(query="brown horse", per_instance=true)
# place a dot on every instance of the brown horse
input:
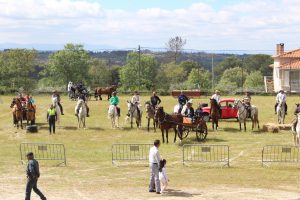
(214, 113)
(17, 112)
(30, 113)
(167, 121)
(107, 90)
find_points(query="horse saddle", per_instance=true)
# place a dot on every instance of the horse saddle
(187, 120)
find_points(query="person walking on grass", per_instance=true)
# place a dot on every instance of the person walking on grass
(163, 178)
(51, 118)
(154, 160)
(33, 174)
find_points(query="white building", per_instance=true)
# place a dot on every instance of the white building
(286, 71)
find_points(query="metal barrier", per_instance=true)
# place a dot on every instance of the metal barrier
(280, 154)
(44, 151)
(130, 152)
(206, 153)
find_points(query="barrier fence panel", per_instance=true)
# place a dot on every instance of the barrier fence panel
(206, 153)
(44, 151)
(280, 154)
(130, 152)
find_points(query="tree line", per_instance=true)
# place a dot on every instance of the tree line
(21, 68)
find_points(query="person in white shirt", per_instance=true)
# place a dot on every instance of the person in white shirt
(154, 160)
(281, 97)
(70, 85)
(135, 100)
(163, 178)
(217, 97)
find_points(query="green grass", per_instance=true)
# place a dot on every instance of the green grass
(89, 173)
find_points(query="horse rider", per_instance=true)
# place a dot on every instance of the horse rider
(22, 99)
(281, 97)
(155, 100)
(135, 100)
(83, 97)
(70, 92)
(297, 110)
(182, 100)
(216, 96)
(247, 102)
(56, 95)
(114, 100)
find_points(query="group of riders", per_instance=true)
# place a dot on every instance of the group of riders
(77, 90)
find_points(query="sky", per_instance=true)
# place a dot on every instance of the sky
(250, 25)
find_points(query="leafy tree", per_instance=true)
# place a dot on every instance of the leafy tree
(227, 63)
(200, 78)
(188, 65)
(175, 45)
(259, 62)
(254, 81)
(16, 66)
(174, 73)
(129, 74)
(70, 64)
(99, 73)
(232, 77)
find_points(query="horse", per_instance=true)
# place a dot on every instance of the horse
(57, 109)
(113, 116)
(133, 113)
(167, 121)
(30, 113)
(296, 132)
(82, 112)
(17, 112)
(281, 112)
(150, 110)
(107, 90)
(242, 114)
(214, 114)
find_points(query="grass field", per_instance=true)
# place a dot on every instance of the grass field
(90, 175)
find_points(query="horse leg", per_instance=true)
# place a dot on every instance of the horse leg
(212, 124)
(148, 126)
(131, 120)
(245, 125)
(163, 135)
(100, 97)
(240, 125)
(117, 119)
(154, 125)
(21, 123)
(167, 135)
(175, 132)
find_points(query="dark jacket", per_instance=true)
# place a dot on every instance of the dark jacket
(33, 170)
(155, 100)
(189, 112)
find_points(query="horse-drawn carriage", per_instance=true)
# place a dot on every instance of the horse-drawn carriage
(197, 125)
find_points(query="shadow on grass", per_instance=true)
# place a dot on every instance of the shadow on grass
(193, 140)
(178, 193)
(232, 130)
(96, 128)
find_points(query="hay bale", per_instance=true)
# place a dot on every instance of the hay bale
(271, 127)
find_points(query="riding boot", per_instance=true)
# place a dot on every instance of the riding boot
(87, 111)
(61, 108)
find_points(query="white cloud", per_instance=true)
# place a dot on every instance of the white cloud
(248, 25)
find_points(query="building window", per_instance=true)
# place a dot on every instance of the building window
(295, 78)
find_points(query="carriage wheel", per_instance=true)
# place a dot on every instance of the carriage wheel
(201, 132)
(183, 133)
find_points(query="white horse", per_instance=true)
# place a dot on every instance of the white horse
(281, 112)
(113, 115)
(297, 131)
(133, 113)
(57, 109)
(82, 112)
(242, 114)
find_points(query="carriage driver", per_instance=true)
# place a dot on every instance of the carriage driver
(114, 100)
(82, 97)
(189, 111)
(56, 95)
(182, 100)
(216, 96)
(295, 121)
(135, 100)
(281, 97)
(247, 102)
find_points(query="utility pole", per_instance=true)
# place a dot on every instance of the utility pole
(212, 72)
(139, 68)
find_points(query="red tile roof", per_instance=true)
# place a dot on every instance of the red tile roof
(295, 64)
(290, 54)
